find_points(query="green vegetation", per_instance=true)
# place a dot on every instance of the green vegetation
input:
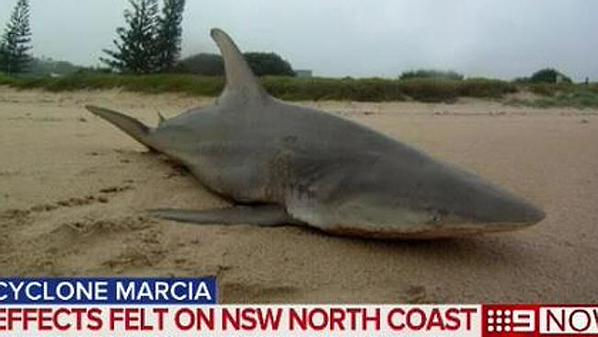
(146, 60)
(15, 43)
(201, 64)
(47, 66)
(169, 34)
(430, 90)
(150, 43)
(576, 99)
(434, 74)
(151, 84)
(210, 82)
(547, 75)
(561, 95)
(262, 64)
(554, 89)
(289, 88)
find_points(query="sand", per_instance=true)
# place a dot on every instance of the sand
(73, 190)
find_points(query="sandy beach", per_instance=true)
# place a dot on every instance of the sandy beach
(73, 190)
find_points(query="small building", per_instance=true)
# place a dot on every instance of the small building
(303, 73)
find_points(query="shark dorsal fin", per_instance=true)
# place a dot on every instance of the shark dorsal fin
(241, 85)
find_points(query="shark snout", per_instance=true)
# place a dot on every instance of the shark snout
(523, 214)
(512, 212)
(533, 215)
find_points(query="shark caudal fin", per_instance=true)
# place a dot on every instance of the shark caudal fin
(129, 125)
(241, 84)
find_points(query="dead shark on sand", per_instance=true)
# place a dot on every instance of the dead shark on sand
(286, 164)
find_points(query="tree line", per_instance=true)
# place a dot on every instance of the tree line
(15, 44)
(262, 64)
(149, 42)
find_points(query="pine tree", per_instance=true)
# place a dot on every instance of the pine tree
(16, 41)
(168, 40)
(136, 45)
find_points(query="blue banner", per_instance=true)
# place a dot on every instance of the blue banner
(137, 291)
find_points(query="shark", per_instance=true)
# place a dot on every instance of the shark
(284, 164)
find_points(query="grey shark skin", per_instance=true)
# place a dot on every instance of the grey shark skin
(285, 164)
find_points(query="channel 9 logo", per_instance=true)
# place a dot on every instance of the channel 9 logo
(509, 320)
(539, 320)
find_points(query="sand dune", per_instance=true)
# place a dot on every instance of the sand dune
(73, 190)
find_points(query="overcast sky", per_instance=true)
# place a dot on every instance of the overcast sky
(497, 38)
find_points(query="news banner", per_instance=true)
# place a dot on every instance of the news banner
(189, 307)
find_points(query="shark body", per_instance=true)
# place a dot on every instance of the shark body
(285, 164)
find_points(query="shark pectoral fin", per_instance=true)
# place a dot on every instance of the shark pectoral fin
(241, 84)
(129, 125)
(263, 215)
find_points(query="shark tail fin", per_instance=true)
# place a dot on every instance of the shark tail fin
(129, 125)
(240, 80)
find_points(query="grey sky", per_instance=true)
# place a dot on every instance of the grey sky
(494, 38)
